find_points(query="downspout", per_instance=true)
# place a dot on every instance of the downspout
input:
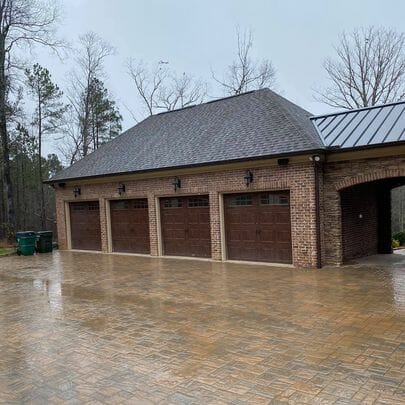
(317, 164)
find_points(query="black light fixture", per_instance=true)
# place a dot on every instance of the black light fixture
(248, 178)
(176, 183)
(121, 188)
(77, 191)
(283, 161)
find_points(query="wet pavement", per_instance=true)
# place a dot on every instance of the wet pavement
(83, 327)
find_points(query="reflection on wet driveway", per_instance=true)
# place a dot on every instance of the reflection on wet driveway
(83, 327)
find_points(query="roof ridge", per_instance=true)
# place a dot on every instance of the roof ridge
(351, 110)
(315, 137)
(210, 101)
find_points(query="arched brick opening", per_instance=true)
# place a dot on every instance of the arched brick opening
(366, 213)
(370, 177)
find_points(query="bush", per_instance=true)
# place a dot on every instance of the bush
(395, 244)
(400, 237)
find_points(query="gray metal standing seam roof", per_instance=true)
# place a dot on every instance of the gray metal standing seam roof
(365, 126)
(251, 125)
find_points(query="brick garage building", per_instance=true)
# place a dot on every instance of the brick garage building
(251, 177)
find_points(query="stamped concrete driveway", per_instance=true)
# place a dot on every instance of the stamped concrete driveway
(82, 327)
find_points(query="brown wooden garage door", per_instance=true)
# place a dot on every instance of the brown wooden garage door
(130, 226)
(258, 227)
(85, 225)
(185, 223)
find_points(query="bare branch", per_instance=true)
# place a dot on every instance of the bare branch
(369, 69)
(161, 89)
(244, 73)
(90, 57)
(181, 91)
(147, 83)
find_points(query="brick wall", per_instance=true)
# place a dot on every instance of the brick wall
(298, 178)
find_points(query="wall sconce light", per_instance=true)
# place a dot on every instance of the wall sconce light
(176, 183)
(248, 178)
(121, 188)
(77, 191)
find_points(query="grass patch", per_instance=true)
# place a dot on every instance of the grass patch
(6, 251)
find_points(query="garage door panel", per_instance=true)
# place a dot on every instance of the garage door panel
(284, 237)
(249, 252)
(197, 216)
(257, 225)
(268, 217)
(241, 234)
(185, 223)
(174, 233)
(282, 218)
(130, 226)
(248, 235)
(194, 233)
(85, 225)
(268, 236)
(242, 215)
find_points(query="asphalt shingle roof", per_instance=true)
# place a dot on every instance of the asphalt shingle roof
(363, 127)
(251, 125)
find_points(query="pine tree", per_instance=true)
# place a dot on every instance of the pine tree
(47, 118)
(105, 119)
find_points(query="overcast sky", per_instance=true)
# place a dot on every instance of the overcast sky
(199, 36)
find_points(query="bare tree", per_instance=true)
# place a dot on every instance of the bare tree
(90, 66)
(181, 92)
(147, 82)
(245, 73)
(369, 69)
(161, 89)
(70, 144)
(22, 23)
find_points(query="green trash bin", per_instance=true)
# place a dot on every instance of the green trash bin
(26, 243)
(44, 241)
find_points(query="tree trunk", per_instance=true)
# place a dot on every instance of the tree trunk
(85, 134)
(42, 194)
(8, 191)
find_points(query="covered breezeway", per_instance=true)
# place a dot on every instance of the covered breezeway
(366, 218)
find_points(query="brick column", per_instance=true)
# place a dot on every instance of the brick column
(103, 225)
(61, 220)
(215, 220)
(153, 225)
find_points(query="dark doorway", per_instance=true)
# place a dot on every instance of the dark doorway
(366, 218)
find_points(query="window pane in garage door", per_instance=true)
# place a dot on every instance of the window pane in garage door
(258, 227)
